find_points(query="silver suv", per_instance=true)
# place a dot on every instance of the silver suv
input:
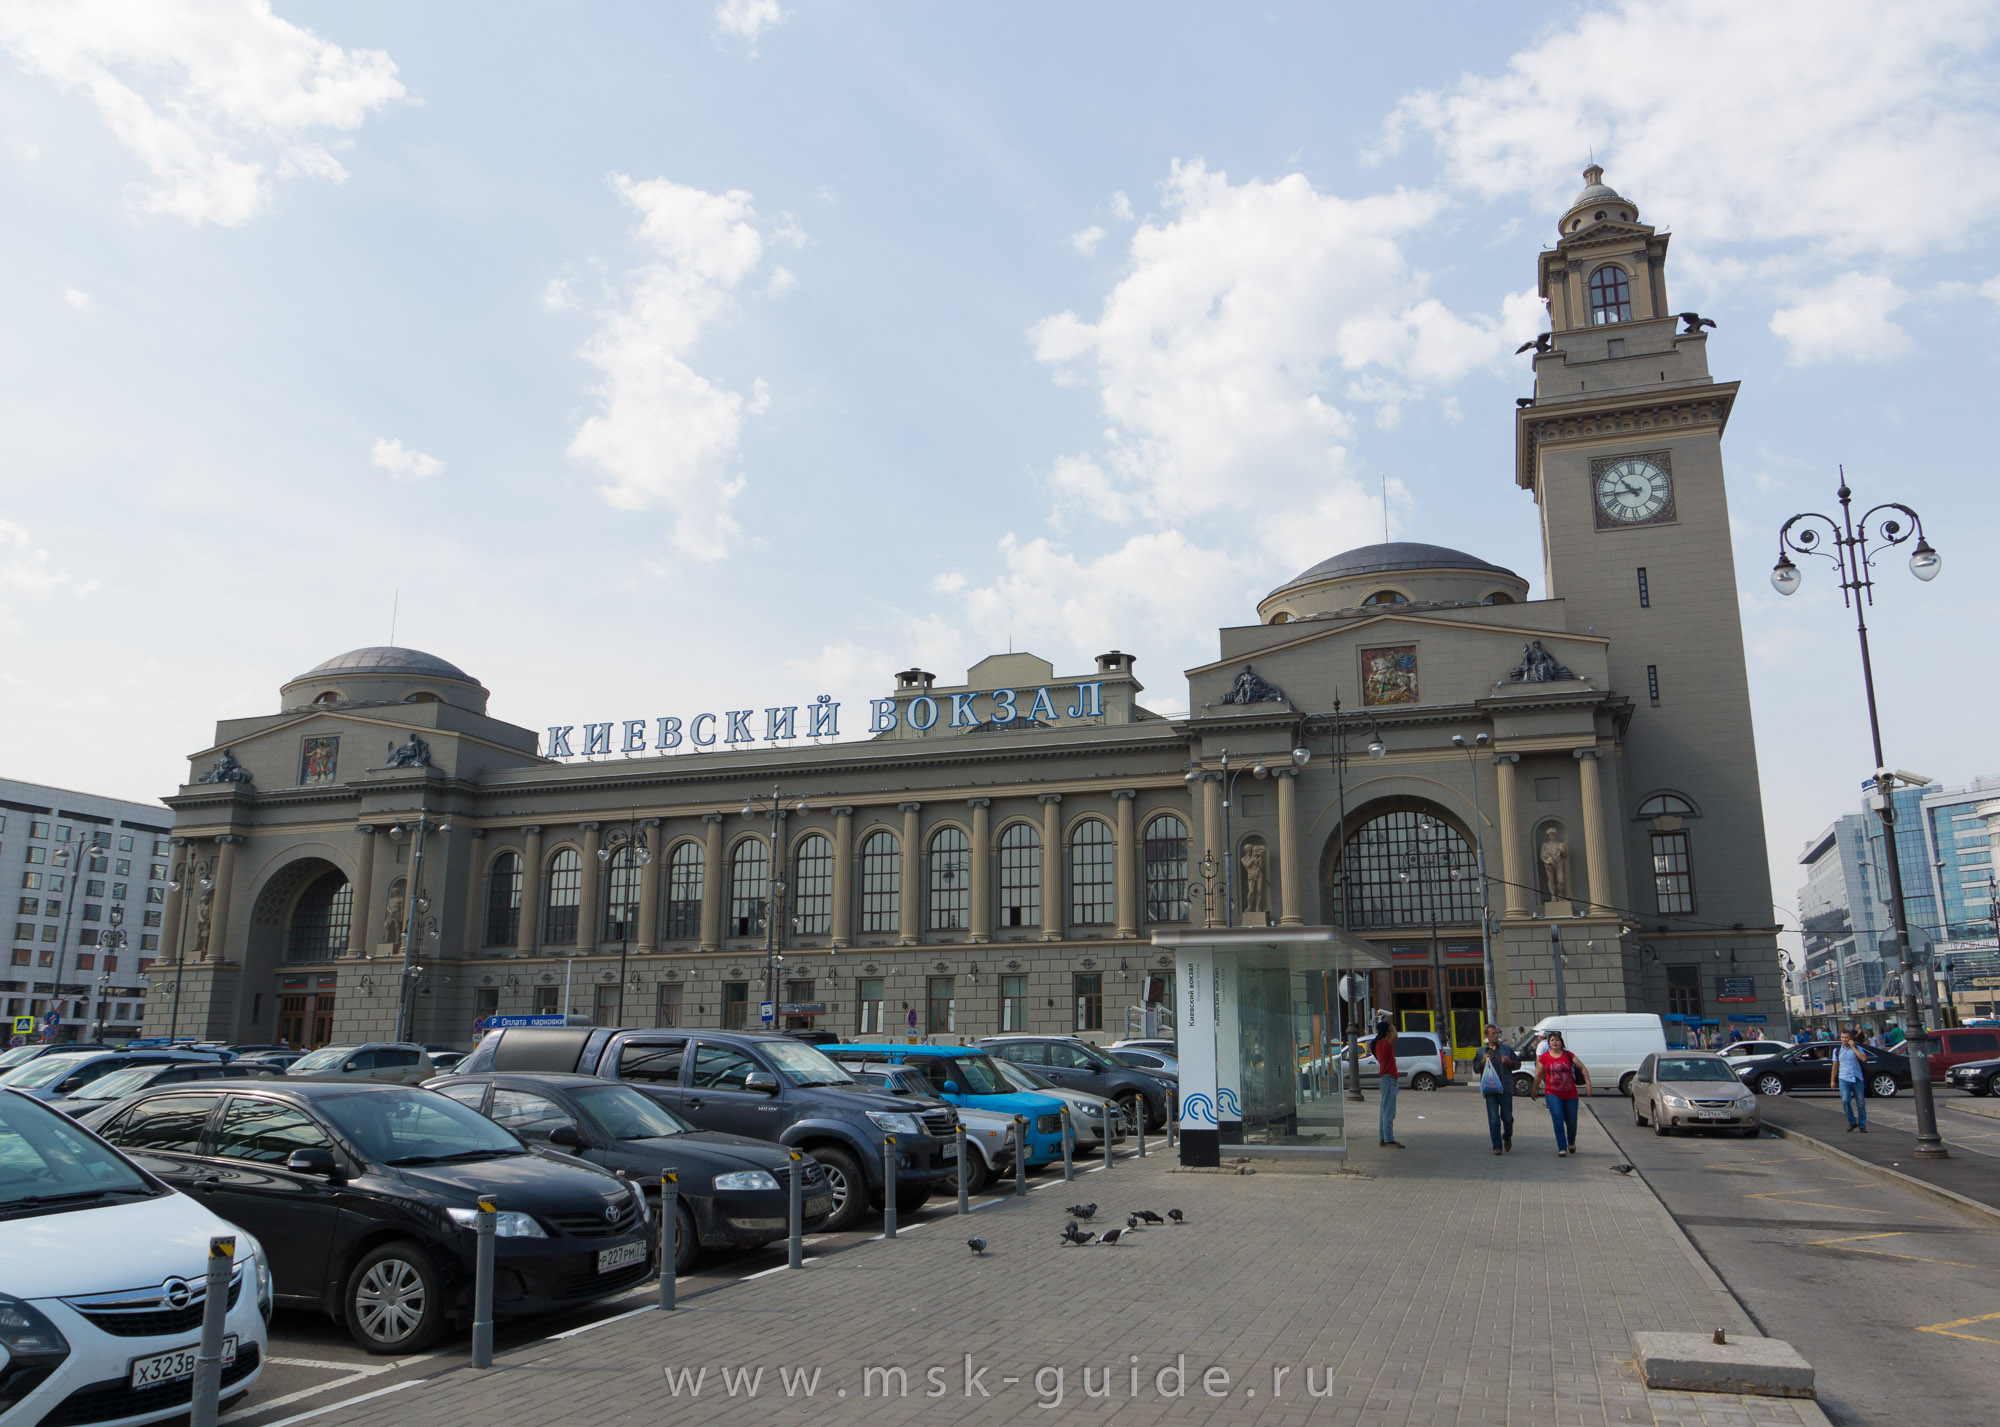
(383, 1062)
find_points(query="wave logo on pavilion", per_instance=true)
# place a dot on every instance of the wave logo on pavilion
(1197, 1109)
(1226, 1097)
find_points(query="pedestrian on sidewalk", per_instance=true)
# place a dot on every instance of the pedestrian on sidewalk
(1850, 1074)
(1495, 1064)
(1556, 1075)
(1383, 1048)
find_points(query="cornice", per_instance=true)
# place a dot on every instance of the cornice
(1611, 414)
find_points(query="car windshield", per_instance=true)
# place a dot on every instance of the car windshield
(625, 1114)
(805, 1065)
(326, 1058)
(415, 1127)
(977, 1075)
(1026, 1076)
(118, 1083)
(1139, 1059)
(46, 1071)
(1098, 1058)
(46, 1161)
(1693, 1067)
(17, 1055)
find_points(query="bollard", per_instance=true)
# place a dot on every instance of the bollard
(798, 1213)
(1111, 1107)
(482, 1285)
(888, 1186)
(964, 1196)
(214, 1313)
(669, 1222)
(1142, 1129)
(1173, 1118)
(1069, 1146)
(1020, 1155)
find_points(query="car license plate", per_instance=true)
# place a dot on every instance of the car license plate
(175, 1364)
(608, 1259)
(1713, 1115)
(948, 1150)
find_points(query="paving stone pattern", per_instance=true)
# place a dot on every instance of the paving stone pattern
(1432, 1285)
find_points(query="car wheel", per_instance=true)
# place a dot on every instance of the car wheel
(850, 1190)
(1524, 1085)
(1883, 1086)
(687, 1243)
(1423, 1080)
(393, 1303)
(1770, 1085)
(912, 1197)
(978, 1173)
(1638, 1115)
(1625, 1083)
(1133, 1107)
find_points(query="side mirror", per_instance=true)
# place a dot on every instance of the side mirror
(761, 1080)
(568, 1137)
(352, 1065)
(71, 1085)
(951, 1087)
(314, 1161)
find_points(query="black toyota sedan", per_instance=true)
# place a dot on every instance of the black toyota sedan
(1810, 1067)
(366, 1196)
(731, 1190)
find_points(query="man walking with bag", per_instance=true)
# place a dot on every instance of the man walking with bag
(1496, 1064)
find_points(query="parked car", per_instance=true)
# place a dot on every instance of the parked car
(966, 1077)
(1164, 1045)
(54, 1077)
(1959, 1045)
(1611, 1046)
(275, 1062)
(1080, 1065)
(1158, 1061)
(367, 1196)
(1087, 1112)
(384, 1062)
(1421, 1059)
(1810, 1067)
(16, 1056)
(763, 1084)
(1741, 1053)
(732, 1192)
(989, 1135)
(815, 1036)
(105, 1281)
(1692, 1090)
(447, 1061)
(131, 1079)
(1975, 1077)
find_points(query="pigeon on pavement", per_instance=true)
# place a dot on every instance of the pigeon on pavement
(1084, 1212)
(1111, 1236)
(1177, 1216)
(978, 1246)
(1622, 1168)
(1131, 1221)
(1071, 1234)
(1149, 1217)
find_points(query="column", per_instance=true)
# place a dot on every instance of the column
(649, 889)
(361, 903)
(1052, 880)
(712, 884)
(909, 912)
(1288, 849)
(529, 936)
(179, 870)
(475, 883)
(225, 879)
(589, 930)
(1593, 831)
(1125, 853)
(982, 868)
(843, 877)
(1513, 870)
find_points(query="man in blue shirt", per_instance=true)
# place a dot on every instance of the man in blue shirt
(1850, 1073)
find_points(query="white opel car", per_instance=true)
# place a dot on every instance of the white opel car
(103, 1281)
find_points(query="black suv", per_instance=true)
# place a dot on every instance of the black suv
(763, 1085)
(1078, 1065)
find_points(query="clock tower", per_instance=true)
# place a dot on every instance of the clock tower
(1621, 445)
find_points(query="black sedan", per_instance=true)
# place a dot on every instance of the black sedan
(1976, 1077)
(1810, 1067)
(732, 1191)
(134, 1078)
(366, 1196)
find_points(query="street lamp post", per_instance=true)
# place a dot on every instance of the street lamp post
(778, 810)
(110, 944)
(1227, 776)
(1416, 866)
(1886, 526)
(188, 874)
(416, 916)
(1479, 741)
(630, 838)
(63, 857)
(1377, 750)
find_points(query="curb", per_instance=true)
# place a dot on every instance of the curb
(1922, 1186)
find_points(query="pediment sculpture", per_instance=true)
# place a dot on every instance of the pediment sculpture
(413, 753)
(225, 770)
(1538, 666)
(1253, 688)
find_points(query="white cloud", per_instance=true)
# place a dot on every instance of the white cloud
(748, 19)
(212, 96)
(402, 462)
(27, 572)
(1990, 289)
(664, 433)
(1850, 317)
(79, 299)
(1085, 240)
(1121, 207)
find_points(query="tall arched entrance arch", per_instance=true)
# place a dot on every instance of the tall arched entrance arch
(298, 929)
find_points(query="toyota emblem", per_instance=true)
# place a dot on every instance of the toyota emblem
(175, 1293)
(611, 1213)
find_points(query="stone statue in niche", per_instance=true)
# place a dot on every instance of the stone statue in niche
(1256, 877)
(1253, 688)
(204, 921)
(1538, 666)
(392, 924)
(225, 770)
(1554, 853)
(412, 753)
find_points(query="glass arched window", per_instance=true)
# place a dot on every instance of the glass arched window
(1020, 876)
(951, 881)
(1667, 805)
(1407, 869)
(1498, 597)
(1166, 869)
(749, 886)
(319, 921)
(1382, 597)
(503, 900)
(881, 883)
(1092, 894)
(812, 885)
(686, 866)
(565, 897)
(621, 900)
(1610, 295)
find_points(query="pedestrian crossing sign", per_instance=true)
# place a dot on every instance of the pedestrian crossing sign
(24, 1025)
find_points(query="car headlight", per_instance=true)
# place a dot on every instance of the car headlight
(747, 1179)
(639, 1199)
(27, 1339)
(896, 1124)
(1674, 1101)
(507, 1224)
(263, 1272)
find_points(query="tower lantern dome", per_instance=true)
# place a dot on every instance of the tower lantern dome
(1599, 202)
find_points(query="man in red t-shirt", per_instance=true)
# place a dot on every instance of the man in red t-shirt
(1383, 1048)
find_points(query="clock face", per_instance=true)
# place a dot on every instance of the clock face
(1633, 490)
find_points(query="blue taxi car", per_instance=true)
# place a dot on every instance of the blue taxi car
(966, 1076)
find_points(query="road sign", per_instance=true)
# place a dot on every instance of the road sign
(13, 1041)
(764, 1011)
(24, 1025)
(54, 1019)
(913, 1018)
(501, 1023)
(803, 1008)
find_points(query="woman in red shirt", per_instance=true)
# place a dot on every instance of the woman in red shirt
(1556, 1076)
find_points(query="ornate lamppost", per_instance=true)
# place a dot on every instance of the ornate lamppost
(630, 838)
(188, 874)
(416, 917)
(1227, 776)
(778, 810)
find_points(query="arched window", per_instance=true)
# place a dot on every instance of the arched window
(1407, 869)
(749, 886)
(1662, 805)
(1020, 876)
(421, 696)
(1092, 898)
(812, 885)
(565, 897)
(686, 868)
(1498, 597)
(881, 883)
(951, 881)
(503, 900)
(319, 921)
(621, 901)
(331, 696)
(1382, 597)
(1282, 617)
(1610, 295)
(1166, 869)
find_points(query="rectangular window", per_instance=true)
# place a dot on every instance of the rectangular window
(940, 1004)
(798, 993)
(38, 830)
(49, 933)
(1089, 990)
(1673, 872)
(548, 1000)
(87, 961)
(124, 868)
(1653, 684)
(125, 843)
(156, 895)
(31, 880)
(93, 888)
(486, 1002)
(160, 845)
(117, 891)
(52, 907)
(868, 993)
(38, 855)
(668, 1015)
(157, 872)
(149, 942)
(1013, 1003)
(735, 1005)
(152, 919)
(24, 931)
(100, 864)
(86, 937)
(812, 886)
(29, 907)
(1645, 595)
(93, 911)
(606, 1012)
(1684, 990)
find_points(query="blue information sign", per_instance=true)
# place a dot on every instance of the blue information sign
(1749, 1020)
(501, 1023)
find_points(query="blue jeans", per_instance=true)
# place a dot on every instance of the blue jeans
(1388, 1118)
(1854, 1100)
(1563, 1112)
(1500, 1117)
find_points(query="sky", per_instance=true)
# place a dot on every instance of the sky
(647, 358)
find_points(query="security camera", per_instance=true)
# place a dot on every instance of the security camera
(1914, 780)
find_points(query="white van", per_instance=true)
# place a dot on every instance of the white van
(1611, 1046)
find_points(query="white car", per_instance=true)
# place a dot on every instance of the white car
(103, 1275)
(1086, 1111)
(1742, 1053)
(1420, 1061)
